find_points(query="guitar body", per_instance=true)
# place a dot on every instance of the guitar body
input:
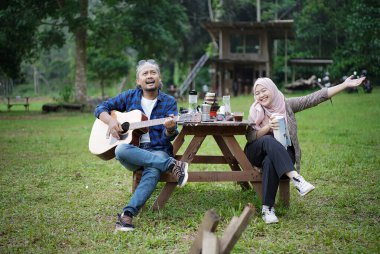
(103, 146)
(138, 124)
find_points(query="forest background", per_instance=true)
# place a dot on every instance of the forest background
(75, 49)
(57, 198)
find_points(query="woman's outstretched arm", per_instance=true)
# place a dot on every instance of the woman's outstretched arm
(349, 82)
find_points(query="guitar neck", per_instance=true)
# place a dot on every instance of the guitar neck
(147, 123)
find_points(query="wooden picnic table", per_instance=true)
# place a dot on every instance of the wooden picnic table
(224, 133)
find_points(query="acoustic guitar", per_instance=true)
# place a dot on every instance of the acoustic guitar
(134, 124)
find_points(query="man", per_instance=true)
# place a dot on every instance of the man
(155, 151)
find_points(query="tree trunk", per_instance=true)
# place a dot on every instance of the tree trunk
(81, 56)
(102, 89)
(122, 85)
(210, 10)
(35, 80)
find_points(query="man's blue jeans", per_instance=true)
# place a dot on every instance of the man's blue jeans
(154, 163)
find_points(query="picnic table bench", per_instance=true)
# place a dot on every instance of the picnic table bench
(18, 101)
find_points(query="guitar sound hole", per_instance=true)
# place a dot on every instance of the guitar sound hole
(125, 126)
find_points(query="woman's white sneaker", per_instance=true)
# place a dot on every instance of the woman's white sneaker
(303, 187)
(268, 215)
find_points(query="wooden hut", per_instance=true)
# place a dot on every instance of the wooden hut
(245, 52)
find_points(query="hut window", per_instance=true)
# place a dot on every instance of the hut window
(237, 43)
(244, 43)
(252, 44)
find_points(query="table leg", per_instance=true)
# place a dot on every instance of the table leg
(187, 156)
(178, 142)
(238, 153)
(193, 148)
(258, 187)
(284, 192)
(230, 159)
(164, 196)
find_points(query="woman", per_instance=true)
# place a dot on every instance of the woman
(263, 150)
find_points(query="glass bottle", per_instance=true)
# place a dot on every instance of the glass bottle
(227, 105)
(193, 101)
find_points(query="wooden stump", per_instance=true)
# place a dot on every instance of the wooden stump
(206, 242)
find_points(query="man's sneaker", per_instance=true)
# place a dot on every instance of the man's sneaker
(303, 187)
(179, 171)
(124, 223)
(269, 216)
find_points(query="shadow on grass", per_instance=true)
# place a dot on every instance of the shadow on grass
(192, 202)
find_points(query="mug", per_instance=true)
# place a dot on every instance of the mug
(205, 108)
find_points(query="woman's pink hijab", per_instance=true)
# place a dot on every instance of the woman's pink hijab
(260, 115)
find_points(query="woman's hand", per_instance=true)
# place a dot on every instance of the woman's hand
(350, 82)
(273, 123)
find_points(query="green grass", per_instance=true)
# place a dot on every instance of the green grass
(57, 197)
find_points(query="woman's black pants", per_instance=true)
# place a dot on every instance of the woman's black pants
(274, 160)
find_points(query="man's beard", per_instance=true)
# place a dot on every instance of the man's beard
(150, 89)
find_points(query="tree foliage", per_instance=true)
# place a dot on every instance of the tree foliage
(106, 66)
(360, 48)
(108, 59)
(230, 10)
(29, 27)
(319, 28)
(148, 29)
(153, 30)
(346, 31)
(120, 32)
(195, 40)
(23, 34)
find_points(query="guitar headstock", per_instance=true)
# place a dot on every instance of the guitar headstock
(190, 118)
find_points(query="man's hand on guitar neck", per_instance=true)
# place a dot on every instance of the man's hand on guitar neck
(170, 125)
(114, 127)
